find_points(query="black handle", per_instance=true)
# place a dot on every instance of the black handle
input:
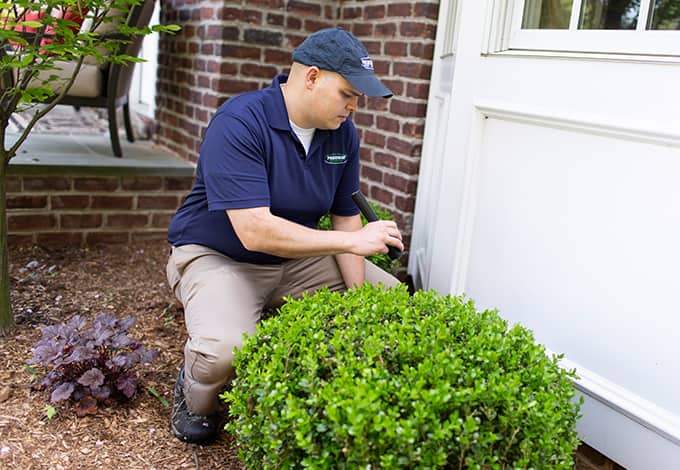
(369, 213)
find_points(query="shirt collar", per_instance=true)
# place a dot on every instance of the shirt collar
(275, 105)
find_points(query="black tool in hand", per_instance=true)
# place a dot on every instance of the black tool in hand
(369, 213)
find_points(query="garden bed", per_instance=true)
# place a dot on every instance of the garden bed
(49, 286)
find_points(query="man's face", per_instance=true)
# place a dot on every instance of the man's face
(334, 100)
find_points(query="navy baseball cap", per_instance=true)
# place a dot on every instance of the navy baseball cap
(337, 50)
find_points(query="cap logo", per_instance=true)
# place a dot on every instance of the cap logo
(367, 63)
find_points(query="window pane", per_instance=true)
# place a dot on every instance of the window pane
(665, 14)
(546, 14)
(609, 14)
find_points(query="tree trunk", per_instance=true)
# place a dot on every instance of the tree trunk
(6, 317)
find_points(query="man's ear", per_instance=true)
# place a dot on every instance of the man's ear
(312, 76)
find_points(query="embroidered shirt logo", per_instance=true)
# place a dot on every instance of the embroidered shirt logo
(335, 158)
(367, 63)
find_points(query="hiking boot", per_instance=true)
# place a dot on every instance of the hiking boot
(189, 427)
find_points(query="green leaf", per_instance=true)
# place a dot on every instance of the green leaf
(160, 398)
(31, 370)
(50, 412)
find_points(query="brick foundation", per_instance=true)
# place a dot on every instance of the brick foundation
(86, 210)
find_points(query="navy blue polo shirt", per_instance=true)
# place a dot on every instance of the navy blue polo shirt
(250, 157)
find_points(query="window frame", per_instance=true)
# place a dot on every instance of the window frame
(627, 42)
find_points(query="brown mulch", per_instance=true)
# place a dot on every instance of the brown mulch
(51, 285)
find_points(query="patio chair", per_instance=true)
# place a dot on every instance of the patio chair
(108, 85)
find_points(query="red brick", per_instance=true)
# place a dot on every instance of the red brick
(409, 167)
(127, 220)
(374, 138)
(276, 56)
(84, 220)
(374, 12)
(413, 130)
(95, 184)
(362, 29)
(400, 183)
(394, 48)
(363, 119)
(386, 29)
(16, 239)
(412, 70)
(46, 183)
(157, 202)
(378, 104)
(404, 108)
(161, 220)
(24, 201)
(262, 36)
(427, 10)
(371, 174)
(179, 183)
(365, 154)
(409, 148)
(417, 29)
(251, 17)
(381, 195)
(399, 9)
(226, 85)
(422, 51)
(303, 8)
(12, 184)
(385, 160)
(240, 52)
(373, 47)
(69, 201)
(21, 222)
(255, 70)
(406, 204)
(312, 25)
(349, 13)
(293, 23)
(417, 90)
(142, 183)
(387, 124)
(275, 19)
(276, 4)
(112, 202)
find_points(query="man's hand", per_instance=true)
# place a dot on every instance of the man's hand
(374, 237)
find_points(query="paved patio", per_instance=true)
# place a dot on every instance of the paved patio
(72, 142)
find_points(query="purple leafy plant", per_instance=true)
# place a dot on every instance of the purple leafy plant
(90, 366)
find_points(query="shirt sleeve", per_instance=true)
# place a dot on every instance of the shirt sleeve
(343, 204)
(232, 159)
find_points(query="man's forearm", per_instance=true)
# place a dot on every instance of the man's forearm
(351, 266)
(259, 230)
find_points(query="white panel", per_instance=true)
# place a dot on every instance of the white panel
(576, 237)
(631, 445)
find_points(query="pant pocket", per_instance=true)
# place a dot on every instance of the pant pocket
(172, 274)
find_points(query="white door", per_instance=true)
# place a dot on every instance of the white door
(558, 200)
(143, 86)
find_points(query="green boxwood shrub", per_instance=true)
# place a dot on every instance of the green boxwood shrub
(376, 379)
(383, 261)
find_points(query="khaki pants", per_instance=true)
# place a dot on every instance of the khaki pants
(223, 299)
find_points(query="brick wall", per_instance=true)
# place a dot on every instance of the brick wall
(229, 47)
(82, 210)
